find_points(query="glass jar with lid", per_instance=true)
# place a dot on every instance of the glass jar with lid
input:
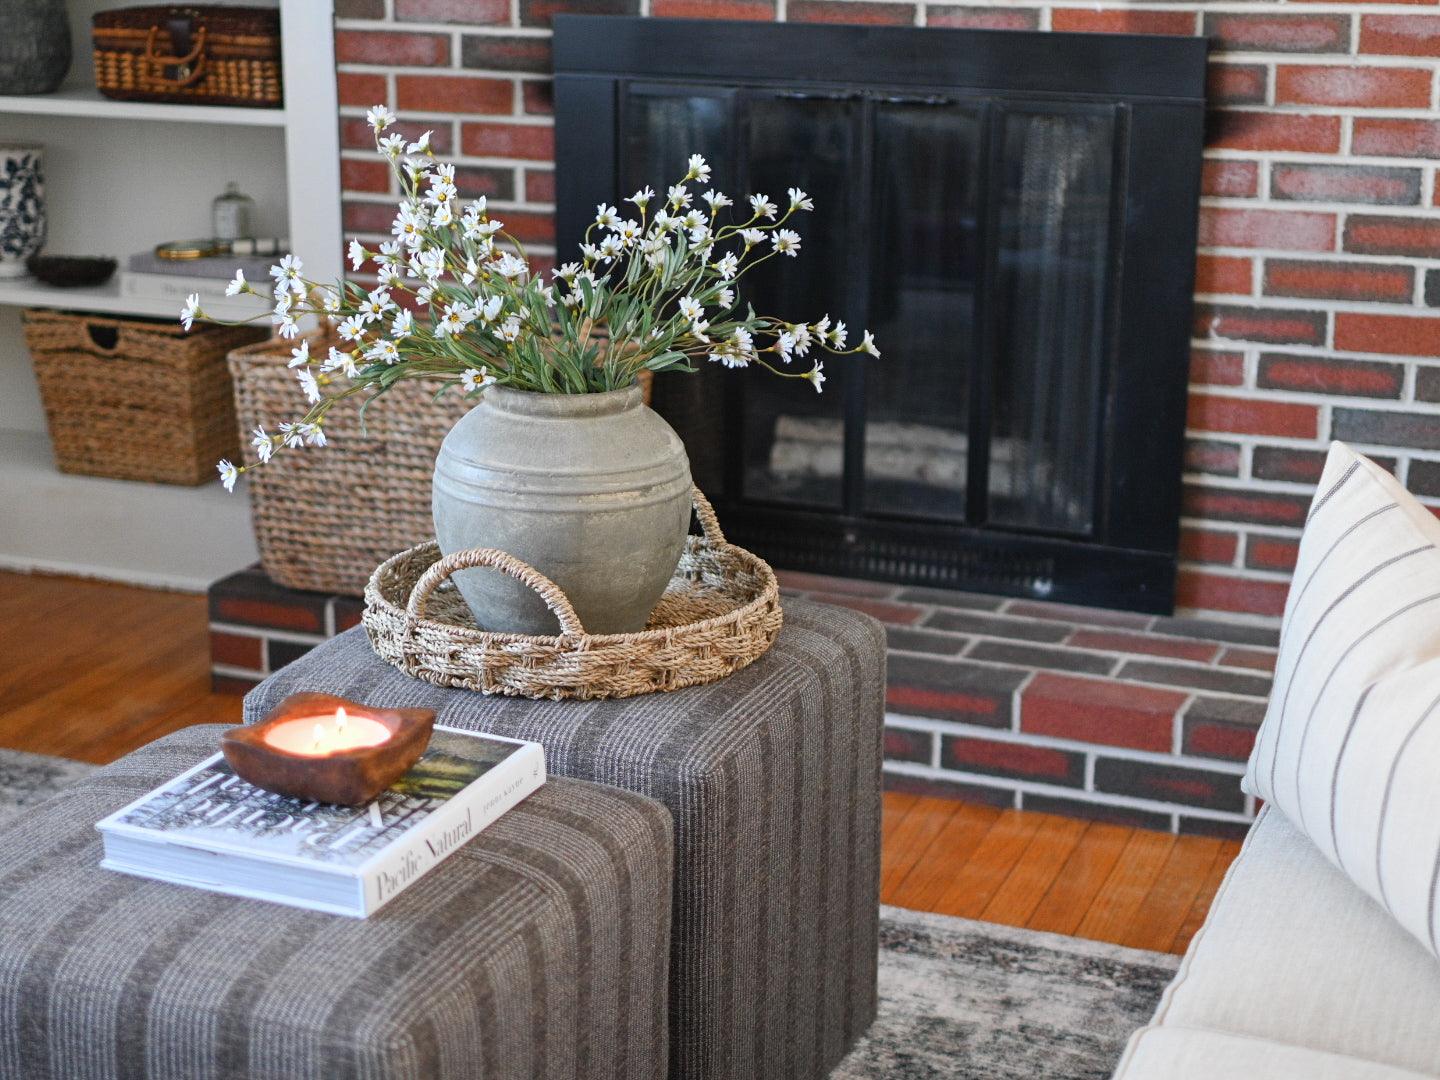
(231, 214)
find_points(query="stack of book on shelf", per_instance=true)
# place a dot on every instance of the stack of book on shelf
(210, 829)
(146, 276)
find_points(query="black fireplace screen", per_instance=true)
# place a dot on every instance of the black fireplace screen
(1011, 213)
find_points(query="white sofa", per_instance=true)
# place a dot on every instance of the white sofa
(1296, 975)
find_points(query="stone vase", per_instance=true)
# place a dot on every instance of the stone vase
(593, 490)
(34, 46)
(22, 207)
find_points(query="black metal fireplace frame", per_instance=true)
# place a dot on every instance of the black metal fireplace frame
(1129, 559)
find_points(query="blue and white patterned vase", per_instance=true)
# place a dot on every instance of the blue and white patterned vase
(22, 207)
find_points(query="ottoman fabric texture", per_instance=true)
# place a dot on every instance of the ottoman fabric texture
(536, 950)
(773, 778)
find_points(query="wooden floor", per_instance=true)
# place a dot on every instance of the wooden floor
(91, 670)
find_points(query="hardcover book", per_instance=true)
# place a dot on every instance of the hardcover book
(210, 829)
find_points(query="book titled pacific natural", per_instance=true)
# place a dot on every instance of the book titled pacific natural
(210, 829)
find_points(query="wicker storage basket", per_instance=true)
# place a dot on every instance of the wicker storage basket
(721, 611)
(201, 55)
(135, 399)
(323, 519)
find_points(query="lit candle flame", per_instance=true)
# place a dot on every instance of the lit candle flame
(319, 735)
(340, 719)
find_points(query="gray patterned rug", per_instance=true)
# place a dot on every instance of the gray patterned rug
(959, 1000)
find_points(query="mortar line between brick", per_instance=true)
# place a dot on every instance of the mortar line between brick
(961, 729)
(296, 637)
(1193, 665)
(1102, 798)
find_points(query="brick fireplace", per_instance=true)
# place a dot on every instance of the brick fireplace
(1317, 316)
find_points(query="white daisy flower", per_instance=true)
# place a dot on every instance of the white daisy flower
(611, 247)
(510, 266)
(838, 335)
(228, 474)
(677, 196)
(309, 385)
(263, 443)
(375, 305)
(867, 345)
(642, 198)
(799, 200)
(726, 267)
(403, 325)
(237, 285)
(816, 376)
(453, 321)
(301, 356)
(787, 242)
(191, 311)
(379, 118)
(352, 329)
(762, 206)
(357, 254)
(473, 379)
(800, 332)
(487, 310)
(698, 169)
(287, 270)
(606, 216)
(292, 435)
(718, 200)
(785, 345)
(725, 298)
(392, 146)
(313, 435)
(383, 351)
(752, 236)
(691, 308)
(420, 145)
(409, 225)
(509, 330)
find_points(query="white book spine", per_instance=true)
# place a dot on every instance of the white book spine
(460, 820)
(178, 287)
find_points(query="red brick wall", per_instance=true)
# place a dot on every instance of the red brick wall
(1318, 305)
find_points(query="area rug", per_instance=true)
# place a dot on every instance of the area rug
(959, 1000)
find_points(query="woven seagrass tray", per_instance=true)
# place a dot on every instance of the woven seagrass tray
(720, 611)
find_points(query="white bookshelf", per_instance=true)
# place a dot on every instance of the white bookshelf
(86, 101)
(120, 178)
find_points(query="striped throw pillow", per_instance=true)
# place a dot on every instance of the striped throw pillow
(1350, 747)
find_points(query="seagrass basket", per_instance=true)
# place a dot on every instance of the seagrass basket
(720, 611)
(324, 518)
(194, 55)
(135, 399)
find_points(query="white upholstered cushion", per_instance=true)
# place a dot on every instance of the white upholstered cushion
(1182, 1054)
(1350, 747)
(1293, 953)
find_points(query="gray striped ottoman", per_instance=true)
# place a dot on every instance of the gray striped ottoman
(536, 950)
(773, 778)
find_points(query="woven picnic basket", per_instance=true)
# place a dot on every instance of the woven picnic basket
(135, 399)
(720, 611)
(197, 55)
(324, 518)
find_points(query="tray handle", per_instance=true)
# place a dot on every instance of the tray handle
(555, 599)
(709, 523)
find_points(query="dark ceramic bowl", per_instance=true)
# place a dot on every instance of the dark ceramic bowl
(70, 271)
